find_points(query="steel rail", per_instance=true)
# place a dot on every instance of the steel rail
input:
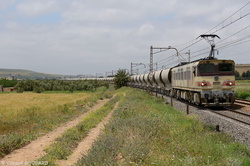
(230, 117)
(242, 101)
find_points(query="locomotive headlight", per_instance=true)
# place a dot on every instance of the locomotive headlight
(229, 83)
(203, 83)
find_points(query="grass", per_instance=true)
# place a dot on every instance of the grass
(24, 117)
(65, 144)
(242, 89)
(145, 131)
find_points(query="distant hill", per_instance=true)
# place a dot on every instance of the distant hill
(26, 74)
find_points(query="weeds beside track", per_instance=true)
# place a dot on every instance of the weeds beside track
(145, 131)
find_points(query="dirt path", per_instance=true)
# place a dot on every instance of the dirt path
(35, 149)
(86, 143)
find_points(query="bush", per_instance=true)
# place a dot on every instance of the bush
(243, 95)
(8, 83)
(39, 89)
(19, 90)
(40, 86)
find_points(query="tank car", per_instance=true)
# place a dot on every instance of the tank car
(162, 81)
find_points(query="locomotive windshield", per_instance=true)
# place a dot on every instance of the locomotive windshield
(206, 68)
(225, 67)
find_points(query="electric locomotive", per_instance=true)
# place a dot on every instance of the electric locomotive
(208, 82)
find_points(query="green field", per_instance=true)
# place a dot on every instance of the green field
(145, 131)
(142, 131)
(242, 89)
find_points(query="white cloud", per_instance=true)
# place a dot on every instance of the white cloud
(6, 3)
(33, 8)
(146, 30)
(115, 11)
(98, 36)
(11, 25)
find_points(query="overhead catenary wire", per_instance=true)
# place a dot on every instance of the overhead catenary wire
(194, 41)
(215, 29)
(225, 45)
(224, 26)
(222, 44)
(243, 29)
(239, 53)
(235, 42)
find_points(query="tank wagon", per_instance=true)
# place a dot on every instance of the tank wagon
(207, 82)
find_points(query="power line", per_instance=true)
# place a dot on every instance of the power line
(243, 29)
(228, 43)
(194, 41)
(222, 44)
(229, 18)
(235, 42)
(240, 53)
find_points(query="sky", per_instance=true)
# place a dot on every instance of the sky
(92, 37)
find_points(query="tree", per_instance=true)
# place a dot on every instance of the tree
(243, 74)
(237, 74)
(248, 73)
(121, 78)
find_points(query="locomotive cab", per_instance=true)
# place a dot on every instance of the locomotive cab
(216, 81)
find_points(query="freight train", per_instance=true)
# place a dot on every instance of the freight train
(207, 82)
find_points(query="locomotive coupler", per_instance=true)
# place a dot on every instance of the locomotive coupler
(216, 99)
(206, 96)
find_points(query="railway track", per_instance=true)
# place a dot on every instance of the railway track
(242, 101)
(235, 115)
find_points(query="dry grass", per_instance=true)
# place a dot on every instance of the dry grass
(25, 116)
(17, 106)
(13, 102)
